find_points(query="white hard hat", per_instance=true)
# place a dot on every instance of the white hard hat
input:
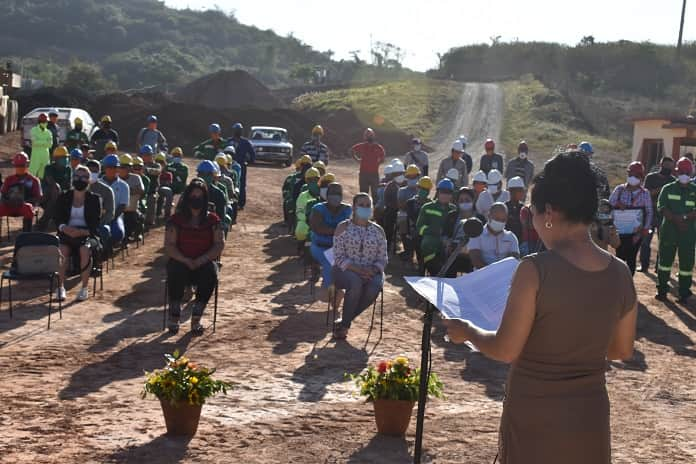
(398, 165)
(463, 139)
(494, 177)
(480, 177)
(516, 182)
(388, 169)
(457, 145)
(453, 174)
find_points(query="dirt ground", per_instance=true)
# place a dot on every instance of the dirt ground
(71, 393)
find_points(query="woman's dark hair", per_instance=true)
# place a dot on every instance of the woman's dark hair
(466, 191)
(569, 184)
(183, 208)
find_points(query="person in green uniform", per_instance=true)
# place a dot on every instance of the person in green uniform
(311, 191)
(41, 142)
(677, 205)
(179, 170)
(76, 137)
(209, 148)
(435, 223)
(206, 170)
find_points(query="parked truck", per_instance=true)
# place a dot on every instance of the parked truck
(9, 109)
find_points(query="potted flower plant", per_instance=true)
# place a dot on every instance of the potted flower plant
(393, 388)
(182, 387)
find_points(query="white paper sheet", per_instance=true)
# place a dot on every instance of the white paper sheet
(329, 254)
(478, 298)
(627, 221)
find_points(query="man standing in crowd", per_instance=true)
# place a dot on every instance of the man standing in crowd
(102, 136)
(209, 148)
(152, 136)
(417, 156)
(603, 190)
(243, 154)
(314, 147)
(76, 137)
(490, 159)
(370, 155)
(677, 206)
(455, 161)
(654, 183)
(521, 166)
(53, 127)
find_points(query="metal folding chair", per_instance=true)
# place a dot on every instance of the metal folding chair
(165, 313)
(332, 312)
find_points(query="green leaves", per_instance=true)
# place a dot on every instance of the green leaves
(394, 380)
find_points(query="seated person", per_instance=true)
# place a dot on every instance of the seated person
(517, 193)
(20, 192)
(106, 199)
(434, 225)
(360, 251)
(465, 200)
(324, 219)
(495, 243)
(413, 207)
(56, 179)
(179, 171)
(121, 191)
(309, 192)
(132, 217)
(206, 170)
(165, 193)
(193, 242)
(78, 213)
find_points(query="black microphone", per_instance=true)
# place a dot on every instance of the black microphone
(473, 227)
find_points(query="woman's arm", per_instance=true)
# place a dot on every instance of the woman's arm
(214, 253)
(170, 248)
(507, 343)
(621, 343)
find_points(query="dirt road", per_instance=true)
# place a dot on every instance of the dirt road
(71, 394)
(478, 115)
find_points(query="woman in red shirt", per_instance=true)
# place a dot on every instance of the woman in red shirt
(193, 242)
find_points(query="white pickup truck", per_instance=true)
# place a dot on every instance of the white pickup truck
(271, 144)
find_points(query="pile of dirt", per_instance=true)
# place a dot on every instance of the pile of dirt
(53, 97)
(228, 89)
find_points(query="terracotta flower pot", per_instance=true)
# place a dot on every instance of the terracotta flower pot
(182, 418)
(393, 416)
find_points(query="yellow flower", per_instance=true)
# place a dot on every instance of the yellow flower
(401, 360)
(152, 380)
(194, 380)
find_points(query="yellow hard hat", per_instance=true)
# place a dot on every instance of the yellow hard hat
(412, 170)
(177, 151)
(221, 159)
(60, 152)
(106, 118)
(230, 160)
(319, 165)
(318, 130)
(312, 173)
(425, 182)
(305, 160)
(78, 121)
(110, 145)
(161, 157)
(125, 160)
(327, 178)
(137, 161)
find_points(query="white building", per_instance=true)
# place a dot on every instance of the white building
(654, 137)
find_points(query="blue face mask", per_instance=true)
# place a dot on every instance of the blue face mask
(363, 212)
(412, 182)
(176, 160)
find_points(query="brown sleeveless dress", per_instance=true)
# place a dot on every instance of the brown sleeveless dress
(556, 408)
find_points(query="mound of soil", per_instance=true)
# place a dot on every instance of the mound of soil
(228, 89)
(50, 96)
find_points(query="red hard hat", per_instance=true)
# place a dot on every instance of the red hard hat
(489, 144)
(43, 117)
(368, 132)
(20, 159)
(685, 166)
(637, 169)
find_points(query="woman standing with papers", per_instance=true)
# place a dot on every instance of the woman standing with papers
(569, 310)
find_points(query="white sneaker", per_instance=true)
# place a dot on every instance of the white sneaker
(83, 295)
(60, 293)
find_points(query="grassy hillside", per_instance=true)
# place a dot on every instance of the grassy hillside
(417, 107)
(545, 119)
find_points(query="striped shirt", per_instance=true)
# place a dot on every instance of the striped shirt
(635, 199)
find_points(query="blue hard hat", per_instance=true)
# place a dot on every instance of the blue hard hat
(446, 184)
(76, 153)
(110, 161)
(237, 125)
(214, 128)
(206, 167)
(152, 118)
(585, 147)
(146, 150)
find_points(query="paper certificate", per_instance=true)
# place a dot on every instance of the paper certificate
(627, 221)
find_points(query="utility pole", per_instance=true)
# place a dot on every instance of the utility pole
(681, 30)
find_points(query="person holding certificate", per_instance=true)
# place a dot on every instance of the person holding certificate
(570, 309)
(633, 214)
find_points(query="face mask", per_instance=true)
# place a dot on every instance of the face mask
(423, 194)
(412, 182)
(334, 200)
(496, 226)
(176, 160)
(62, 162)
(684, 179)
(197, 203)
(604, 217)
(399, 179)
(363, 213)
(322, 192)
(316, 138)
(93, 177)
(633, 181)
(313, 189)
(466, 206)
(79, 184)
(370, 139)
(665, 171)
(417, 148)
(523, 155)
(43, 125)
(493, 189)
(78, 128)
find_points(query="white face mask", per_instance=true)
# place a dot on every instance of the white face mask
(633, 181)
(496, 226)
(416, 148)
(523, 155)
(466, 206)
(684, 179)
(93, 177)
(400, 179)
(322, 192)
(492, 189)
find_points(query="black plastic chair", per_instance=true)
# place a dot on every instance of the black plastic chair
(332, 311)
(32, 239)
(165, 314)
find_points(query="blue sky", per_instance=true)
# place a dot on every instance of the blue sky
(423, 27)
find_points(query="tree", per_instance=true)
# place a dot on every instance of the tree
(87, 77)
(303, 72)
(587, 41)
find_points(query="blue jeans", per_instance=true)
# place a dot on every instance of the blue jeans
(320, 257)
(360, 293)
(118, 230)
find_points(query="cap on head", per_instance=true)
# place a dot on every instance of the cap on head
(43, 117)
(125, 160)
(206, 167)
(152, 118)
(494, 177)
(177, 152)
(111, 161)
(52, 112)
(161, 156)
(398, 166)
(20, 160)
(229, 149)
(318, 130)
(312, 173)
(445, 185)
(412, 171)
(146, 150)
(637, 169)
(685, 166)
(60, 152)
(425, 182)
(516, 182)
(76, 153)
(214, 128)
(480, 177)
(490, 144)
(388, 169)
(457, 145)
(585, 147)
(110, 145)
(305, 160)
(237, 126)
(106, 118)
(463, 139)
(138, 161)
(522, 147)
(368, 133)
